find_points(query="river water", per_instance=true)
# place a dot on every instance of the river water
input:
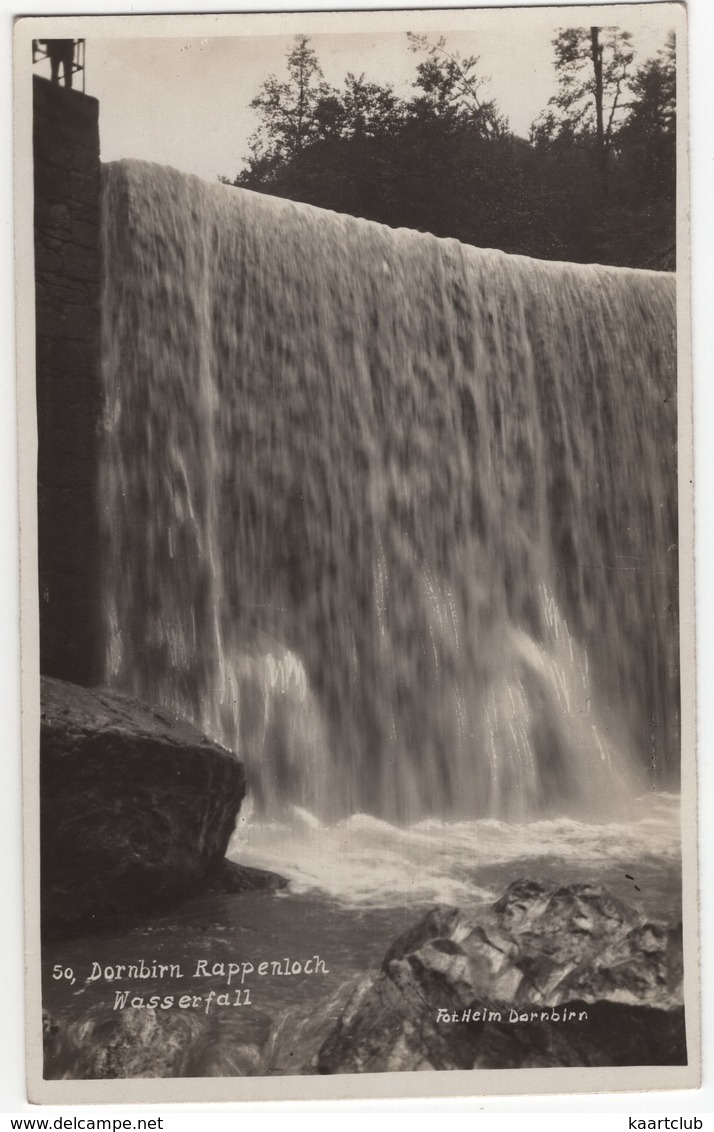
(354, 888)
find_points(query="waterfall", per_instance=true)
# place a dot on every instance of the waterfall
(393, 517)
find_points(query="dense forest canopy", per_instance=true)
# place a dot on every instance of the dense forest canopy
(594, 182)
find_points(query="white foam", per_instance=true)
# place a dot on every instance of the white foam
(366, 861)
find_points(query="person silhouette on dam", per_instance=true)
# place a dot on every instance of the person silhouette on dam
(60, 51)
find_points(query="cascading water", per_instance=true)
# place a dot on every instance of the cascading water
(394, 517)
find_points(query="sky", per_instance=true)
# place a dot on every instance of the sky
(184, 101)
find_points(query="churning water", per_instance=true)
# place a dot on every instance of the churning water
(393, 517)
(365, 862)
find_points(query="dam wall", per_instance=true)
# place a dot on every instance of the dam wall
(67, 218)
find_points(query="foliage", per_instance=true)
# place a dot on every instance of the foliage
(612, 133)
(646, 186)
(595, 180)
(450, 89)
(288, 109)
(592, 66)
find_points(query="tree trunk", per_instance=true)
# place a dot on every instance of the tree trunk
(600, 143)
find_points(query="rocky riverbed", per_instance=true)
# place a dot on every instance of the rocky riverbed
(545, 976)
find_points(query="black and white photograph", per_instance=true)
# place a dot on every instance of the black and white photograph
(358, 709)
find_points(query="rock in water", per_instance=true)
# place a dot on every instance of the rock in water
(137, 808)
(128, 1044)
(107, 1045)
(546, 976)
(232, 877)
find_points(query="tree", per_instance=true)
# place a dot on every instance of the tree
(577, 136)
(646, 170)
(593, 70)
(451, 88)
(289, 110)
(369, 110)
(653, 107)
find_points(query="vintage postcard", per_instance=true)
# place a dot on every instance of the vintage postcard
(357, 569)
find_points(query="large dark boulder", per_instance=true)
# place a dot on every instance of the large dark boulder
(545, 976)
(137, 808)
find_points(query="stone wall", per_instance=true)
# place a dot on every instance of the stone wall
(67, 190)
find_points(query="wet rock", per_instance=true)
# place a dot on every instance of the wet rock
(544, 976)
(439, 923)
(104, 1044)
(138, 1043)
(599, 1034)
(229, 876)
(387, 1028)
(136, 808)
(50, 1027)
